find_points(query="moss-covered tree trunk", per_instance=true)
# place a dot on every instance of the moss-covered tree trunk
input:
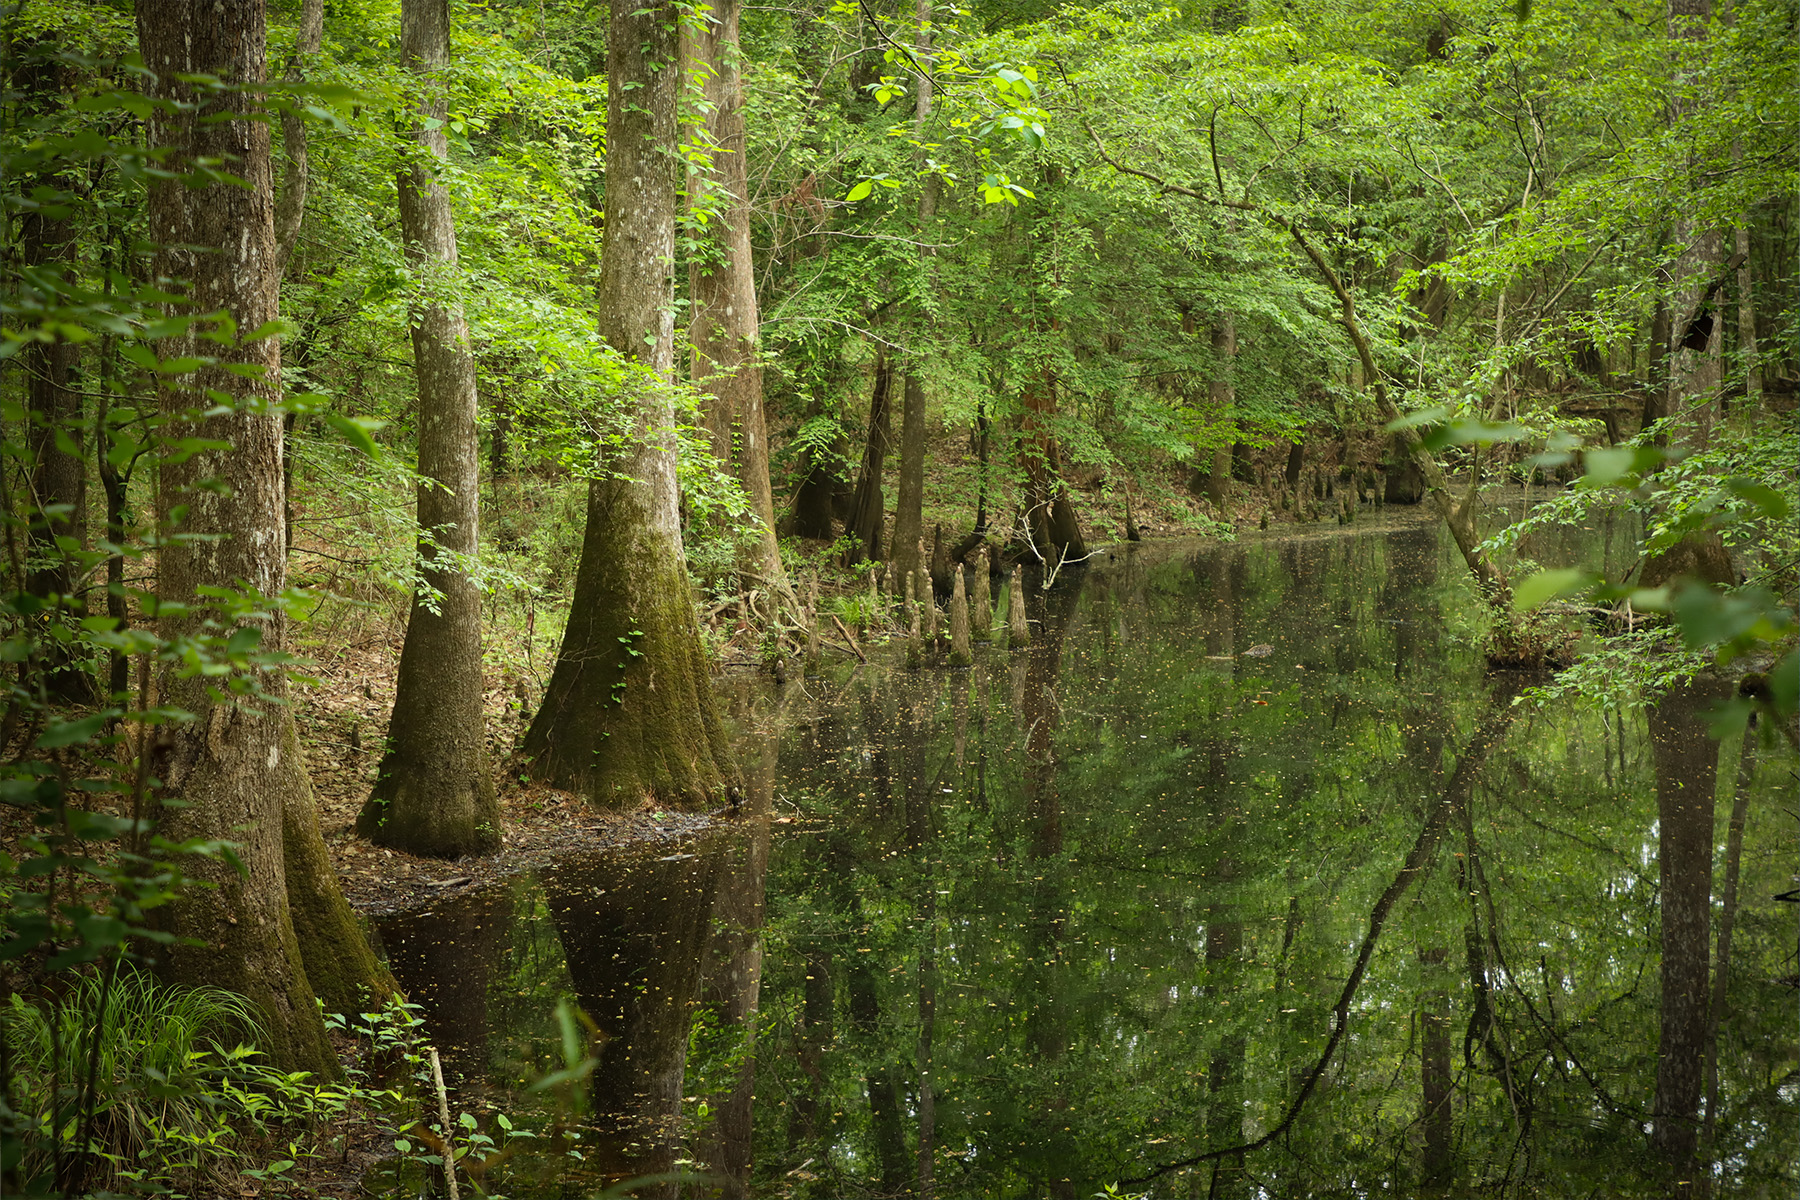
(434, 793)
(726, 326)
(236, 766)
(629, 711)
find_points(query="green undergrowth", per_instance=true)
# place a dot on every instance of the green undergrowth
(184, 1104)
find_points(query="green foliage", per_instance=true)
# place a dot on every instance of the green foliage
(175, 1083)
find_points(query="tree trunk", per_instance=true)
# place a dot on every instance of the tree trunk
(867, 508)
(1222, 391)
(434, 793)
(909, 514)
(290, 207)
(1049, 514)
(726, 326)
(235, 766)
(55, 434)
(1697, 334)
(814, 500)
(629, 710)
(1746, 315)
(909, 518)
(1685, 758)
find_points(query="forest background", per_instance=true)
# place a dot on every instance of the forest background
(1044, 276)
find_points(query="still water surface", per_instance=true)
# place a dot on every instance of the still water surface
(1243, 880)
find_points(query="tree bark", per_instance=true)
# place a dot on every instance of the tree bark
(434, 793)
(55, 435)
(909, 511)
(629, 711)
(1697, 336)
(1049, 515)
(290, 206)
(236, 766)
(726, 326)
(1223, 393)
(1685, 758)
(867, 508)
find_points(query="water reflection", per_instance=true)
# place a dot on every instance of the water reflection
(1242, 880)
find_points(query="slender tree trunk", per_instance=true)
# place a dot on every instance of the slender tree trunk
(867, 508)
(290, 206)
(236, 766)
(1223, 392)
(629, 711)
(1697, 336)
(1746, 315)
(909, 512)
(726, 327)
(55, 434)
(434, 794)
(1685, 757)
(290, 211)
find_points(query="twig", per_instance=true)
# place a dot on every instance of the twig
(449, 1154)
(854, 648)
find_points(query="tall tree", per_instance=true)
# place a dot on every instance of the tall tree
(237, 767)
(629, 710)
(434, 794)
(909, 510)
(1697, 335)
(867, 509)
(46, 246)
(726, 325)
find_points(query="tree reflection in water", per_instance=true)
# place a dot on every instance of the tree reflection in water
(1133, 904)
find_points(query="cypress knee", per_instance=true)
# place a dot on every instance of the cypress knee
(1018, 632)
(982, 608)
(959, 621)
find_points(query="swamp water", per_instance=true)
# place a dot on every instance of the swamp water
(1243, 880)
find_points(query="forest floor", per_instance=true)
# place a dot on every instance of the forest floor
(355, 693)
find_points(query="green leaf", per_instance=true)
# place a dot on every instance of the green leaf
(358, 431)
(1547, 585)
(860, 191)
(69, 733)
(1766, 500)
